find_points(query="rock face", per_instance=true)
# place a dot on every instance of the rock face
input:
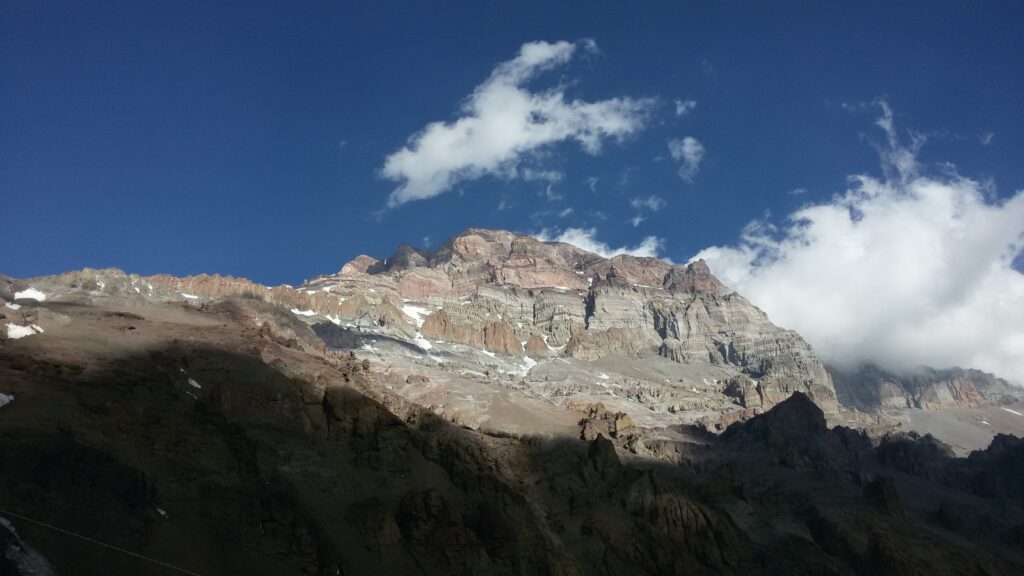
(870, 388)
(505, 293)
(496, 289)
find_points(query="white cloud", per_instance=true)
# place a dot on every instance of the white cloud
(690, 152)
(902, 271)
(986, 138)
(652, 203)
(502, 121)
(586, 239)
(684, 107)
(592, 183)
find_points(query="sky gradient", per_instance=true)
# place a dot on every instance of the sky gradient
(277, 143)
(249, 139)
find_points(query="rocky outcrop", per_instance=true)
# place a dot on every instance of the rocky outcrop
(593, 344)
(536, 347)
(18, 558)
(499, 337)
(870, 388)
(495, 336)
(748, 392)
(695, 278)
(440, 326)
(598, 421)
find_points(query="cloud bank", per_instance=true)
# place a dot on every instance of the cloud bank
(690, 152)
(586, 239)
(502, 120)
(902, 271)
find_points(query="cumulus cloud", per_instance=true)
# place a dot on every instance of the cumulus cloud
(586, 239)
(684, 107)
(503, 120)
(690, 152)
(905, 270)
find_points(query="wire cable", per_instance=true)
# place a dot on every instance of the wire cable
(98, 543)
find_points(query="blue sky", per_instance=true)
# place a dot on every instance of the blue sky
(249, 139)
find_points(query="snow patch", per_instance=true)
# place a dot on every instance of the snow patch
(602, 376)
(195, 384)
(161, 511)
(985, 423)
(298, 312)
(12, 306)
(190, 296)
(336, 320)
(489, 353)
(422, 342)
(14, 331)
(417, 313)
(1011, 411)
(30, 294)
(5, 399)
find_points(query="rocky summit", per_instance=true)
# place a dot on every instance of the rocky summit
(500, 405)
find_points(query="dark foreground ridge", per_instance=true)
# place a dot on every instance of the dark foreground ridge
(222, 445)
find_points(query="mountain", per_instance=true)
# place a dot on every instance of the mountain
(499, 405)
(871, 388)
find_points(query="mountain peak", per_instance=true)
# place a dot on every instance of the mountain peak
(478, 256)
